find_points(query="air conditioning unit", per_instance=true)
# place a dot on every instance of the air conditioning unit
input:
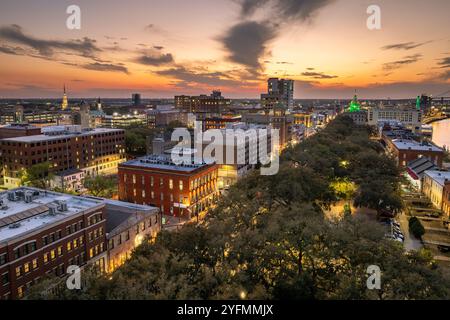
(63, 206)
(14, 225)
(12, 196)
(28, 196)
(52, 209)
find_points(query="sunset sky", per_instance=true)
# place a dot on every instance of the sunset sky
(165, 47)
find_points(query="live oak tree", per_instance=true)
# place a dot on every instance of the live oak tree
(268, 238)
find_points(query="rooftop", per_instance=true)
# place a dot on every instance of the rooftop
(439, 176)
(57, 132)
(401, 144)
(25, 210)
(163, 162)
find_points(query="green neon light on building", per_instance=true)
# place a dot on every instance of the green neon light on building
(355, 106)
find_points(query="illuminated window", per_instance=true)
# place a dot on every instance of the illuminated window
(46, 257)
(35, 263)
(170, 184)
(52, 254)
(26, 267)
(181, 185)
(69, 246)
(18, 271)
(60, 251)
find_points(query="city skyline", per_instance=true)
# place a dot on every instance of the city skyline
(161, 49)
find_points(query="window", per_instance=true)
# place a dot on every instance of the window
(69, 246)
(20, 292)
(26, 267)
(46, 257)
(181, 185)
(170, 184)
(52, 254)
(3, 259)
(5, 279)
(60, 251)
(35, 264)
(18, 271)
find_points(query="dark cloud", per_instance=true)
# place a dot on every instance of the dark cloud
(105, 67)
(246, 42)
(9, 50)
(155, 60)
(285, 9)
(158, 47)
(205, 77)
(400, 63)
(318, 75)
(404, 45)
(444, 63)
(14, 33)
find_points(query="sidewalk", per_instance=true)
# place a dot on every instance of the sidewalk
(410, 243)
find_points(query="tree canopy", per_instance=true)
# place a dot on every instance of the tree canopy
(268, 238)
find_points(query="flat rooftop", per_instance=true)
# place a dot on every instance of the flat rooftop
(402, 144)
(65, 135)
(438, 176)
(163, 162)
(19, 216)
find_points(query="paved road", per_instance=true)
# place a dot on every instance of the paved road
(410, 243)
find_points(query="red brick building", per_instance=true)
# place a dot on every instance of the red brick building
(67, 147)
(178, 190)
(405, 151)
(43, 233)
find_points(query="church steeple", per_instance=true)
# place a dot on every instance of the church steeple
(65, 102)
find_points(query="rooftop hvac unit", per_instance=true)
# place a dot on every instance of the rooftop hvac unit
(63, 206)
(28, 196)
(52, 209)
(12, 196)
(14, 225)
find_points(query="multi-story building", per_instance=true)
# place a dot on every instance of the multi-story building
(405, 151)
(18, 130)
(433, 185)
(220, 122)
(446, 201)
(127, 226)
(68, 147)
(183, 190)
(43, 233)
(279, 91)
(212, 104)
(301, 118)
(136, 97)
(161, 117)
(124, 120)
(410, 118)
(358, 117)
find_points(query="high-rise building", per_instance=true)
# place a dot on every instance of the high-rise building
(279, 91)
(136, 97)
(65, 102)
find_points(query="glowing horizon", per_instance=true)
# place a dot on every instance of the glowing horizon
(166, 48)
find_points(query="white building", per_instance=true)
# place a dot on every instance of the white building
(410, 118)
(433, 185)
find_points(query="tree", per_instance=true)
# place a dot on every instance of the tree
(416, 227)
(100, 186)
(38, 175)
